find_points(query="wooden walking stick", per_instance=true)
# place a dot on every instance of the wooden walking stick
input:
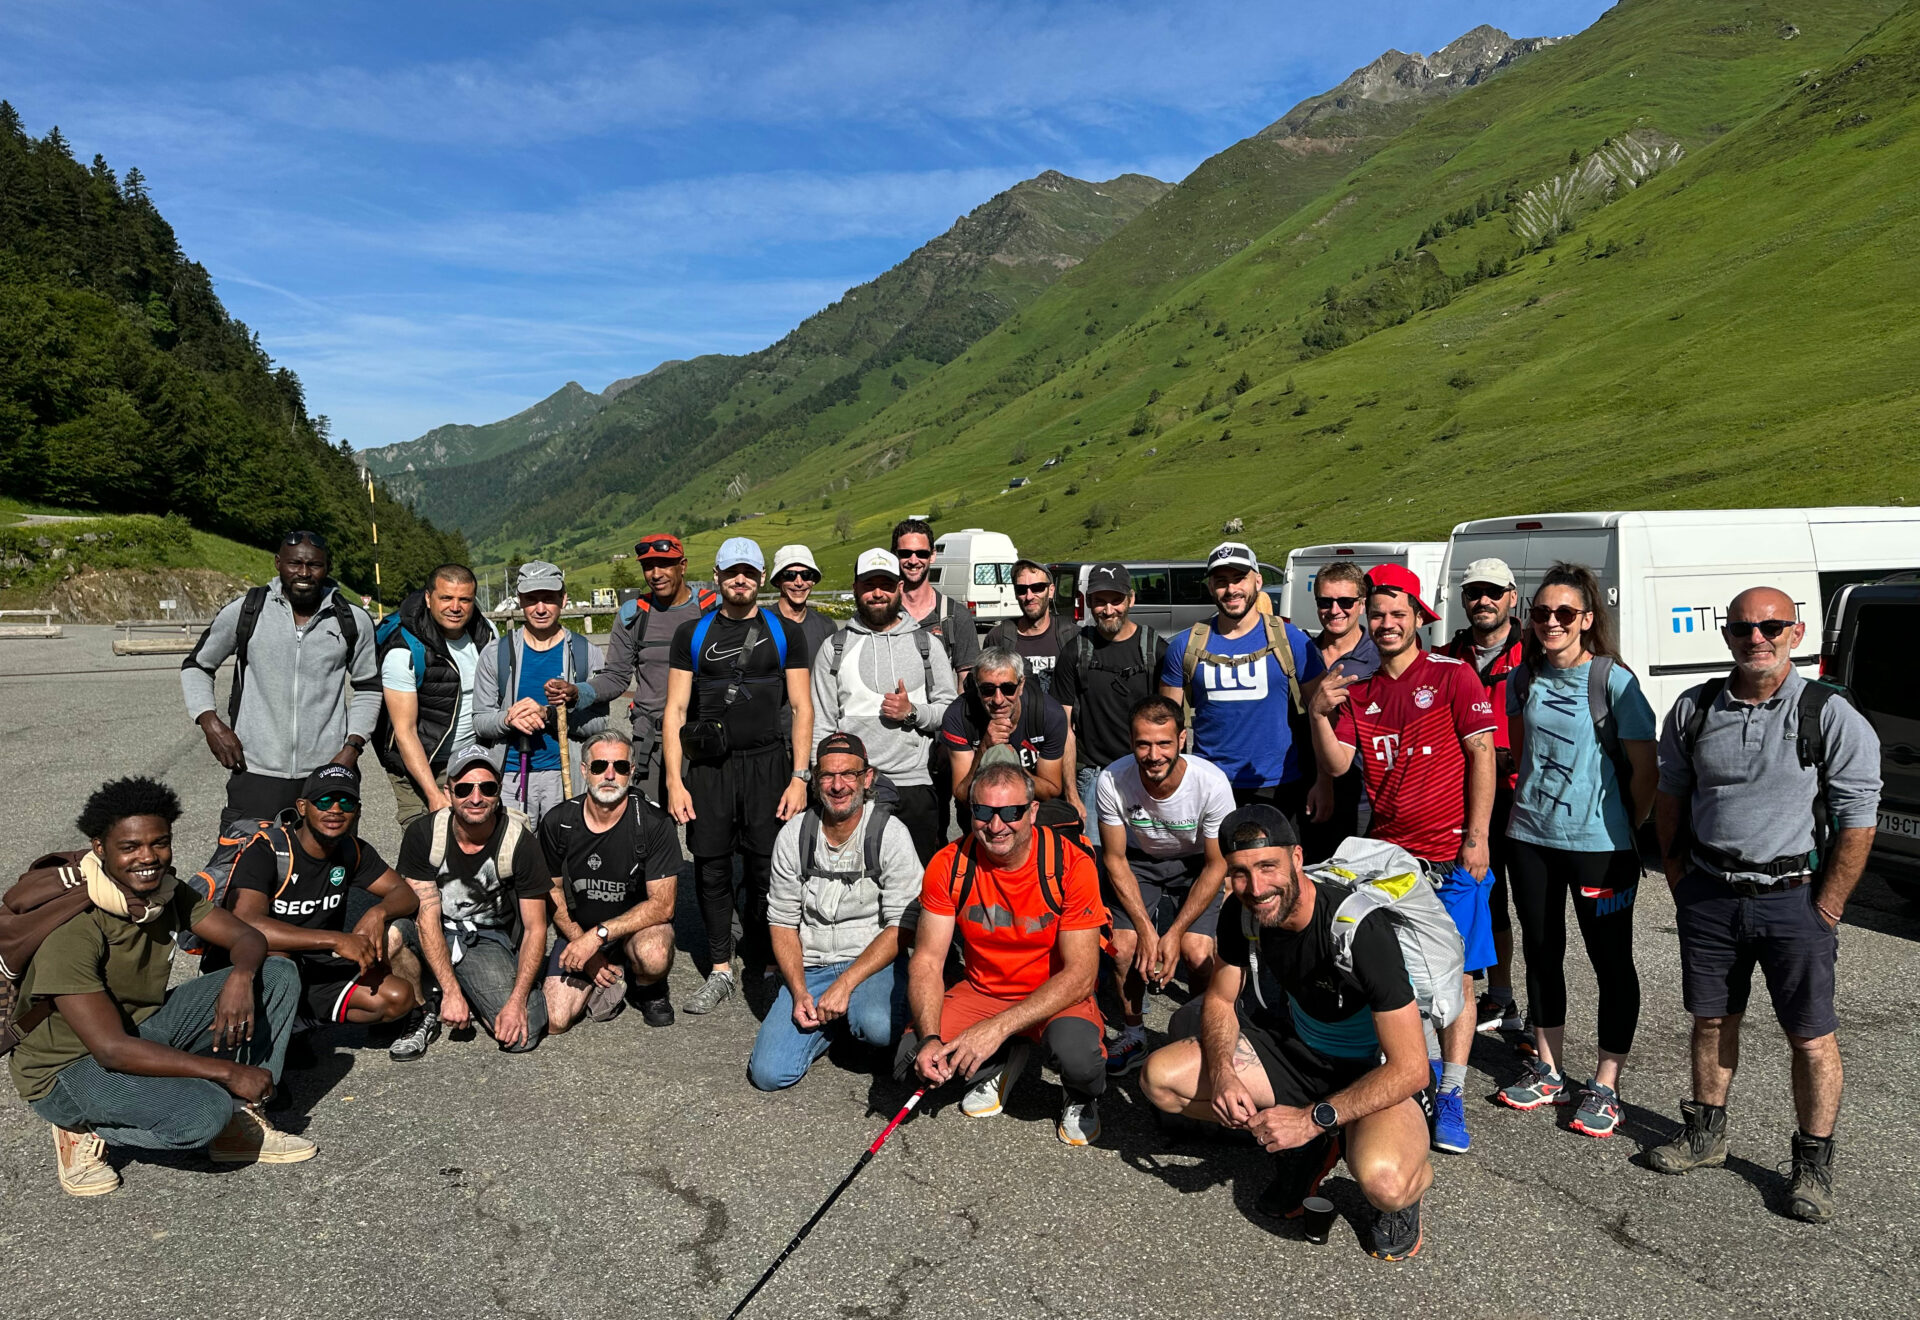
(566, 756)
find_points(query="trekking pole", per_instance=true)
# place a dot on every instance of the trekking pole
(566, 756)
(827, 1204)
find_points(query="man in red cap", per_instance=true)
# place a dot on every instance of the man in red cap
(1422, 729)
(637, 651)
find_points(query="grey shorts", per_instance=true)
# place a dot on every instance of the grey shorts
(1164, 886)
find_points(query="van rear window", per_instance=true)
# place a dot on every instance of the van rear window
(1882, 678)
(993, 575)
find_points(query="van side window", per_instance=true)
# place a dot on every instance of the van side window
(1190, 587)
(992, 575)
(1150, 586)
(933, 575)
(1881, 679)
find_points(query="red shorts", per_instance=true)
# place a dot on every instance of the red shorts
(964, 1006)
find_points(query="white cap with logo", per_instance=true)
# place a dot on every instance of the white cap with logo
(875, 561)
(1232, 554)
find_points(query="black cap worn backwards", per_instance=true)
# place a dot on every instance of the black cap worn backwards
(1276, 831)
(841, 744)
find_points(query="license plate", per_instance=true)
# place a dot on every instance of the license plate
(1900, 824)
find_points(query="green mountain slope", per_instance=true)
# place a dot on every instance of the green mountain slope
(1395, 356)
(453, 445)
(125, 386)
(689, 421)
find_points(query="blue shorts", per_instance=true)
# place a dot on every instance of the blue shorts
(1469, 904)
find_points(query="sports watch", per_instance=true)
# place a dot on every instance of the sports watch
(1325, 1117)
(601, 931)
(804, 776)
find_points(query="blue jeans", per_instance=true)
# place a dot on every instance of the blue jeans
(1087, 780)
(876, 1014)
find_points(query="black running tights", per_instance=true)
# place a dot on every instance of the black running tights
(1604, 887)
(713, 879)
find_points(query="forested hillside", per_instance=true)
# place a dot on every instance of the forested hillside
(125, 386)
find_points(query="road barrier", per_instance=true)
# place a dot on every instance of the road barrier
(46, 629)
(164, 636)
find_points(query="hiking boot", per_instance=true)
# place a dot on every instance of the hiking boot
(657, 1012)
(1599, 1111)
(1450, 1124)
(713, 992)
(82, 1159)
(988, 1095)
(1397, 1235)
(1538, 1085)
(1079, 1122)
(418, 1030)
(250, 1139)
(1297, 1174)
(1127, 1053)
(1702, 1146)
(1812, 1197)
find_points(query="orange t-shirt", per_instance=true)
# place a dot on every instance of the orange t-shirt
(1008, 931)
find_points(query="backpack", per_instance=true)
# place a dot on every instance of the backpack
(1810, 746)
(512, 825)
(1052, 891)
(251, 605)
(922, 639)
(1599, 706)
(48, 895)
(705, 625)
(637, 614)
(1277, 646)
(1382, 877)
(214, 881)
(879, 813)
(577, 664)
(389, 634)
(1151, 644)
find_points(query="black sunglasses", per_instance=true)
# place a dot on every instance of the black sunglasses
(1345, 603)
(1564, 615)
(1768, 628)
(658, 548)
(1008, 815)
(600, 767)
(343, 801)
(1478, 590)
(988, 689)
(798, 575)
(913, 554)
(487, 788)
(1028, 588)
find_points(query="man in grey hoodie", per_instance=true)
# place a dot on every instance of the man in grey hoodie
(889, 681)
(521, 680)
(306, 683)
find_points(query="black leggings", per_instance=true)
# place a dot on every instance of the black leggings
(713, 879)
(1604, 887)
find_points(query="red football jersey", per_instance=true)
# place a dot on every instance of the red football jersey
(1406, 733)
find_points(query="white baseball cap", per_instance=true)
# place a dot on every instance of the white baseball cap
(1494, 572)
(789, 555)
(874, 561)
(1232, 554)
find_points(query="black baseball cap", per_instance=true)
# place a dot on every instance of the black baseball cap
(1109, 577)
(331, 778)
(841, 744)
(1276, 831)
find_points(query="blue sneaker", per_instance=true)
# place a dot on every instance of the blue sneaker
(1599, 1112)
(1450, 1123)
(1126, 1053)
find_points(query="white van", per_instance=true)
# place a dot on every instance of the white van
(1669, 574)
(1425, 558)
(975, 567)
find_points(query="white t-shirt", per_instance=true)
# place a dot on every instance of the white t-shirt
(1175, 826)
(396, 672)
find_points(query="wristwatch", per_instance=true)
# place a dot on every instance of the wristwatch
(804, 776)
(357, 741)
(601, 931)
(1325, 1117)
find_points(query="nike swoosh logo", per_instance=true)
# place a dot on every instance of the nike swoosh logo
(728, 655)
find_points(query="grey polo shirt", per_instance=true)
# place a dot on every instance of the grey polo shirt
(1750, 795)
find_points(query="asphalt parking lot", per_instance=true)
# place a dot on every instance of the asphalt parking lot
(632, 1172)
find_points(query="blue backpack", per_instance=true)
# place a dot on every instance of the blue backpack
(384, 640)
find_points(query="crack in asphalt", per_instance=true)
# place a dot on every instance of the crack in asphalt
(510, 1258)
(900, 1286)
(706, 1259)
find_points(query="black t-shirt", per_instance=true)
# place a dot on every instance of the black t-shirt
(314, 893)
(1039, 735)
(954, 627)
(815, 628)
(1102, 690)
(472, 886)
(753, 719)
(1042, 652)
(1331, 1011)
(605, 875)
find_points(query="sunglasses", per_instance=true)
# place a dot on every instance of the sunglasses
(1482, 591)
(659, 548)
(486, 789)
(337, 802)
(600, 767)
(1564, 615)
(1767, 628)
(1008, 815)
(913, 554)
(1028, 588)
(1004, 689)
(798, 575)
(1345, 604)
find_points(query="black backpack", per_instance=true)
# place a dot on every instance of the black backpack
(922, 639)
(250, 606)
(879, 813)
(1048, 841)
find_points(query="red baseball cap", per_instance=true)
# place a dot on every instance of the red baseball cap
(1400, 578)
(659, 545)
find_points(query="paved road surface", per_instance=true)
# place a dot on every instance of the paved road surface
(629, 1172)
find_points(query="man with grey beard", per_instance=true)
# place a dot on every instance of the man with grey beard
(616, 861)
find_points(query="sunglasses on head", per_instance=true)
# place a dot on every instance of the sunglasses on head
(913, 554)
(1008, 815)
(486, 788)
(798, 575)
(1004, 689)
(658, 548)
(1767, 628)
(600, 767)
(1564, 615)
(337, 802)
(1345, 604)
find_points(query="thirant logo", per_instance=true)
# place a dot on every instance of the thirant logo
(1683, 618)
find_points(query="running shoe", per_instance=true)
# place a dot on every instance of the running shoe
(988, 1095)
(1079, 1122)
(1297, 1174)
(1538, 1085)
(713, 992)
(1599, 1111)
(1493, 1014)
(1397, 1235)
(1127, 1052)
(82, 1157)
(1450, 1124)
(419, 1030)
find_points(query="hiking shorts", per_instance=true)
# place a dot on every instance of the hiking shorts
(1301, 1077)
(1469, 903)
(1725, 934)
(326, 985)
(1165, 883)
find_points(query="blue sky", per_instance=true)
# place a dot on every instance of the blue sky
(440, 212)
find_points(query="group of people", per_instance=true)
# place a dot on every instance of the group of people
(1130, 809)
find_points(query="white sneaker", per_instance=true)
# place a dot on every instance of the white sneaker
(250, 1139)
(988, 1096)
(82, 1157)
(1079, 1122)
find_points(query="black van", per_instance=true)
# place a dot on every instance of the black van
(1867, 647)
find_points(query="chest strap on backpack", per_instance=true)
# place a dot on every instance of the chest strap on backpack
(1197, 654)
